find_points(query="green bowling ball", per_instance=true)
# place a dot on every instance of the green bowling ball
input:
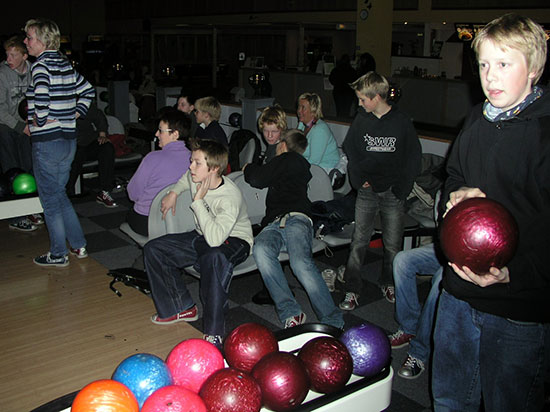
(24, 184)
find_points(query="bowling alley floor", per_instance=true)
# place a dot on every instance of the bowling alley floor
(97, 318)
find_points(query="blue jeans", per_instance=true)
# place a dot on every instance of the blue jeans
(167, 255)
(478, 354)
(52, 164)
(409, 314)
(295, 239)
(392, 216)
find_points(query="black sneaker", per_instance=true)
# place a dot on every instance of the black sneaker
(23, 225)
(50, 260)
(412, 368)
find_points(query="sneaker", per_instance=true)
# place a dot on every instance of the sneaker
(389, 293)
(36, 219)
(329, 276)
(341, 270)
(412, 368)
(24, 225)
(80, 253)
(50, 260)
(295, 320)
(104, 198)
(188, 315)
(350, 302)
(399, 339)
(215, 340)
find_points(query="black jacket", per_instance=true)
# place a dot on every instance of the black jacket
(287, 177)
(89, 126)
(510, 162)
(385, 152)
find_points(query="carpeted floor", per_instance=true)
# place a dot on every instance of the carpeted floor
(113, 249)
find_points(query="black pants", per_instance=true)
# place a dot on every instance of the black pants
(104, 154)
(138, 223)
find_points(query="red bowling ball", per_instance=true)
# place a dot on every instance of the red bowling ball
(283, 379)
(479, 233)
(231, 390)
(328, 364)
(173, 398)
(247, 344)
(192, 361)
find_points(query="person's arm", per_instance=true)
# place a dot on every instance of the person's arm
(41, 80)
(261, 176)
(5, 116)
(100, 123)
(139, 181)
(169, 201)
(216, 225)
(85, 92)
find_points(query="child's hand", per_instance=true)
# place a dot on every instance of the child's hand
(204, 186)
(168, 202)
(495, 275)
(460, 195)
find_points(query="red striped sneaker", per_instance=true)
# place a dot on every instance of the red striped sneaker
(80, 253)
(188, 315)
(295, 320)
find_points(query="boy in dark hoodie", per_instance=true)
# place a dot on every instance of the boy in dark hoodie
(287, 226)
(384, 158)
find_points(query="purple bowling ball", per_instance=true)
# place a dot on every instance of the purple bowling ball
(369, 348)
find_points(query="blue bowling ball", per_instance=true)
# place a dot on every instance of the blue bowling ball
(369, 348)
(143, 374)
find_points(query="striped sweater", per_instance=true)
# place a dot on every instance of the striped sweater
(56, 93)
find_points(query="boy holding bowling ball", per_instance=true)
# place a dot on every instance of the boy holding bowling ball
(489, 338)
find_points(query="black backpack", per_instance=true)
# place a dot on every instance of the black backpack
(134, 278)
(331, 216)
(239, 139)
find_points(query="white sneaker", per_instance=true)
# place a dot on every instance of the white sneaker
(341, 270)
(329, 276)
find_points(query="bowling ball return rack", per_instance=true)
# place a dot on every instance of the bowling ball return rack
(361, 394)
(20, 205)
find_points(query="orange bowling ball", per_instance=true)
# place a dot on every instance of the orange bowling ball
(105, 395)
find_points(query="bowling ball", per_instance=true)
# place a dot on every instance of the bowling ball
(5, 188)
(23, 184)
(143, 374)
(12, 173)
(247, 344)
(105, 395)
(174, 398)
(369, 348)
(192, 361)
(283, 379)
(235, 119)
(231, 390)
(479, 233)
(394, 93)
(23, 109)
(328, 364)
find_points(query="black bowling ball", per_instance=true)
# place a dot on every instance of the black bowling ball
(5, 188)
(235, 119)
(23, 109)
(12, 173)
